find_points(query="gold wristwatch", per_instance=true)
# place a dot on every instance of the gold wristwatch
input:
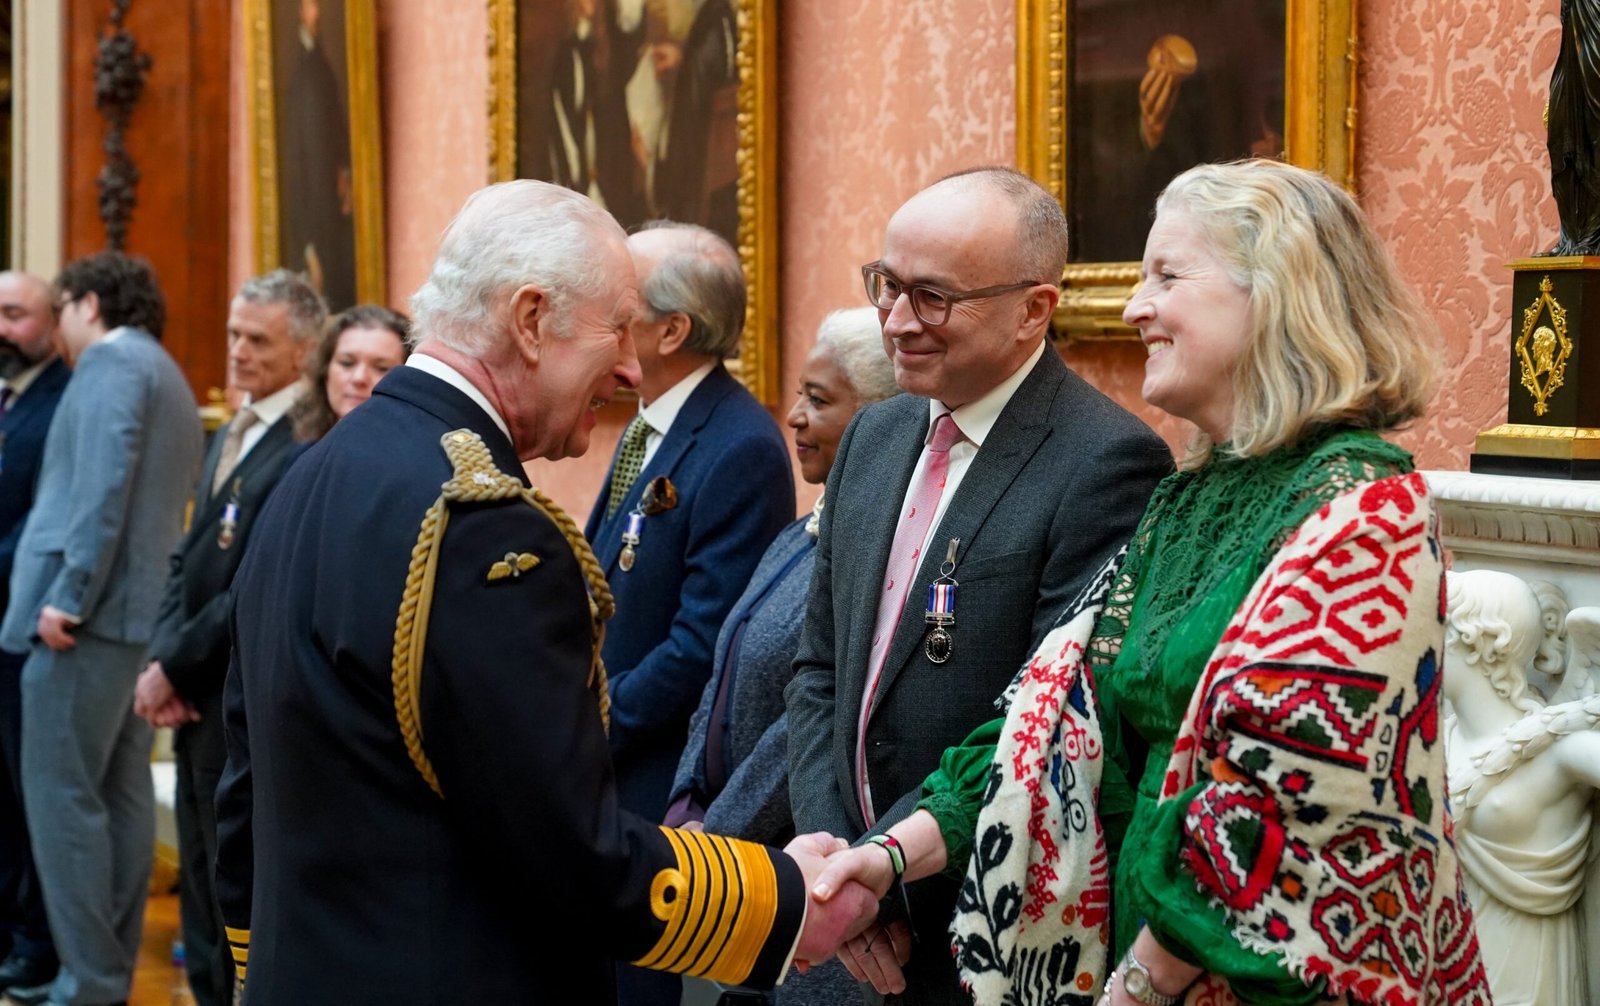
(1136, 982)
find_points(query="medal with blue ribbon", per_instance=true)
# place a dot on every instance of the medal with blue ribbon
(228, 526)
(941, 613)
(630, 540)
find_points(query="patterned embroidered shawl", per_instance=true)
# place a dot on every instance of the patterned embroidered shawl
(1319, 822)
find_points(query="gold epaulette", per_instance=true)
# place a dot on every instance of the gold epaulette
(475, 479)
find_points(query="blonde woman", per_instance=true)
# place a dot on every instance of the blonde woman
(1221, 778)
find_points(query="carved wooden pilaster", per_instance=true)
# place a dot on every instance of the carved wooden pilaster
(119, 73)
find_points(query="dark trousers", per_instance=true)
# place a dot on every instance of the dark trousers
(644, 987)
(201, 756)
(24, 929)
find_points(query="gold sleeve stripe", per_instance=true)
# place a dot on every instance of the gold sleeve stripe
(239, 945)
(718, 903)
(724, 898)
(238, 972)
(686, 908)
(703, 903)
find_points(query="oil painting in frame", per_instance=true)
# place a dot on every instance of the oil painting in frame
(657, 109)
(1114, 97)
(315, 147)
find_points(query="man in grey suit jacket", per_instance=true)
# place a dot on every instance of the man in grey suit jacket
(1045, 479)
(119, 460)
(273, 322)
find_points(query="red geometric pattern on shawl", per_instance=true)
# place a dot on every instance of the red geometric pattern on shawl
(1316, 731)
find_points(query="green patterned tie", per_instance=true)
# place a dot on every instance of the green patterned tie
(629, 463)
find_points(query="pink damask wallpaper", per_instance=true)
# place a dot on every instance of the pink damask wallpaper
(1454, 174)
(870, 117)
(1451, 167)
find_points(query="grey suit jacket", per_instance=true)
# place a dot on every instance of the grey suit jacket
(1060, 483)
(119, 463)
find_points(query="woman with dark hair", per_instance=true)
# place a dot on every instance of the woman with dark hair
(361, 345)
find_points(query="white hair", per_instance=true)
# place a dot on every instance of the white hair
(855, 336)
(1493, 621)
(508, 235)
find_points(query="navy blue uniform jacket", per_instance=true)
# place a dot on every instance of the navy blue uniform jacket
(728, 461)
(522, 881)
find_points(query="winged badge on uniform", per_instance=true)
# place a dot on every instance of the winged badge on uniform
(513, 565)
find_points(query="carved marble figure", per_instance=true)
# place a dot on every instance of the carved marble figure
(1523, 777)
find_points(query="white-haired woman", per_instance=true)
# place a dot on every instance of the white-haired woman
(733, 778)
(1225, 769)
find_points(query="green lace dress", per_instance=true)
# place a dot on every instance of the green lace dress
(1205, 538)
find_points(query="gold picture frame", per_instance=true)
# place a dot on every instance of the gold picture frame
(755, 162)
(1319, 105)
(354, 271)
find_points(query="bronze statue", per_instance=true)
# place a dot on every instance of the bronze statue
(1574, 129)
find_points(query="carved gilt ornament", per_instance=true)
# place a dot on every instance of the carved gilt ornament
(1543, 349)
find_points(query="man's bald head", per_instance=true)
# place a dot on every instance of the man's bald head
(27, 322)
(1041, 226)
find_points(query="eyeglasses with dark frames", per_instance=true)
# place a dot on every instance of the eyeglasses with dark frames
(931, 304)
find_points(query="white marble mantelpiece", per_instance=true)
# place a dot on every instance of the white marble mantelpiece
(1538, 529)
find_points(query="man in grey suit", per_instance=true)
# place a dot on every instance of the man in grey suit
(119, 461)
(1002, 471)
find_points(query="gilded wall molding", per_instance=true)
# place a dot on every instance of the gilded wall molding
(760, 356)
(1320, 75)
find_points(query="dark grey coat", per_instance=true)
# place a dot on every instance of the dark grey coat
(1060, 482)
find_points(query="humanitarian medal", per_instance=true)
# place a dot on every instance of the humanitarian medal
(228, 530)
(941, 613)
(630, 540)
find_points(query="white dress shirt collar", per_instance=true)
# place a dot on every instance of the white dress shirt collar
(453, 377)
(975, 419)
(271, 408)
(20, 383)
(663, 412)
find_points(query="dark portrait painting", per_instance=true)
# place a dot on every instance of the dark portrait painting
(634, 103)
(1157, 87)
(316, 184)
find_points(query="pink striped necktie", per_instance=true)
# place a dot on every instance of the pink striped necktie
(905, 555)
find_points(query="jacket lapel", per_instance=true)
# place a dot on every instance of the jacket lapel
(208, 470)
(680, 439)
(1023, 425)
(50, 379)
(870, 544)
(267, 454)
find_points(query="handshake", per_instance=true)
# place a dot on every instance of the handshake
(845, 885)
